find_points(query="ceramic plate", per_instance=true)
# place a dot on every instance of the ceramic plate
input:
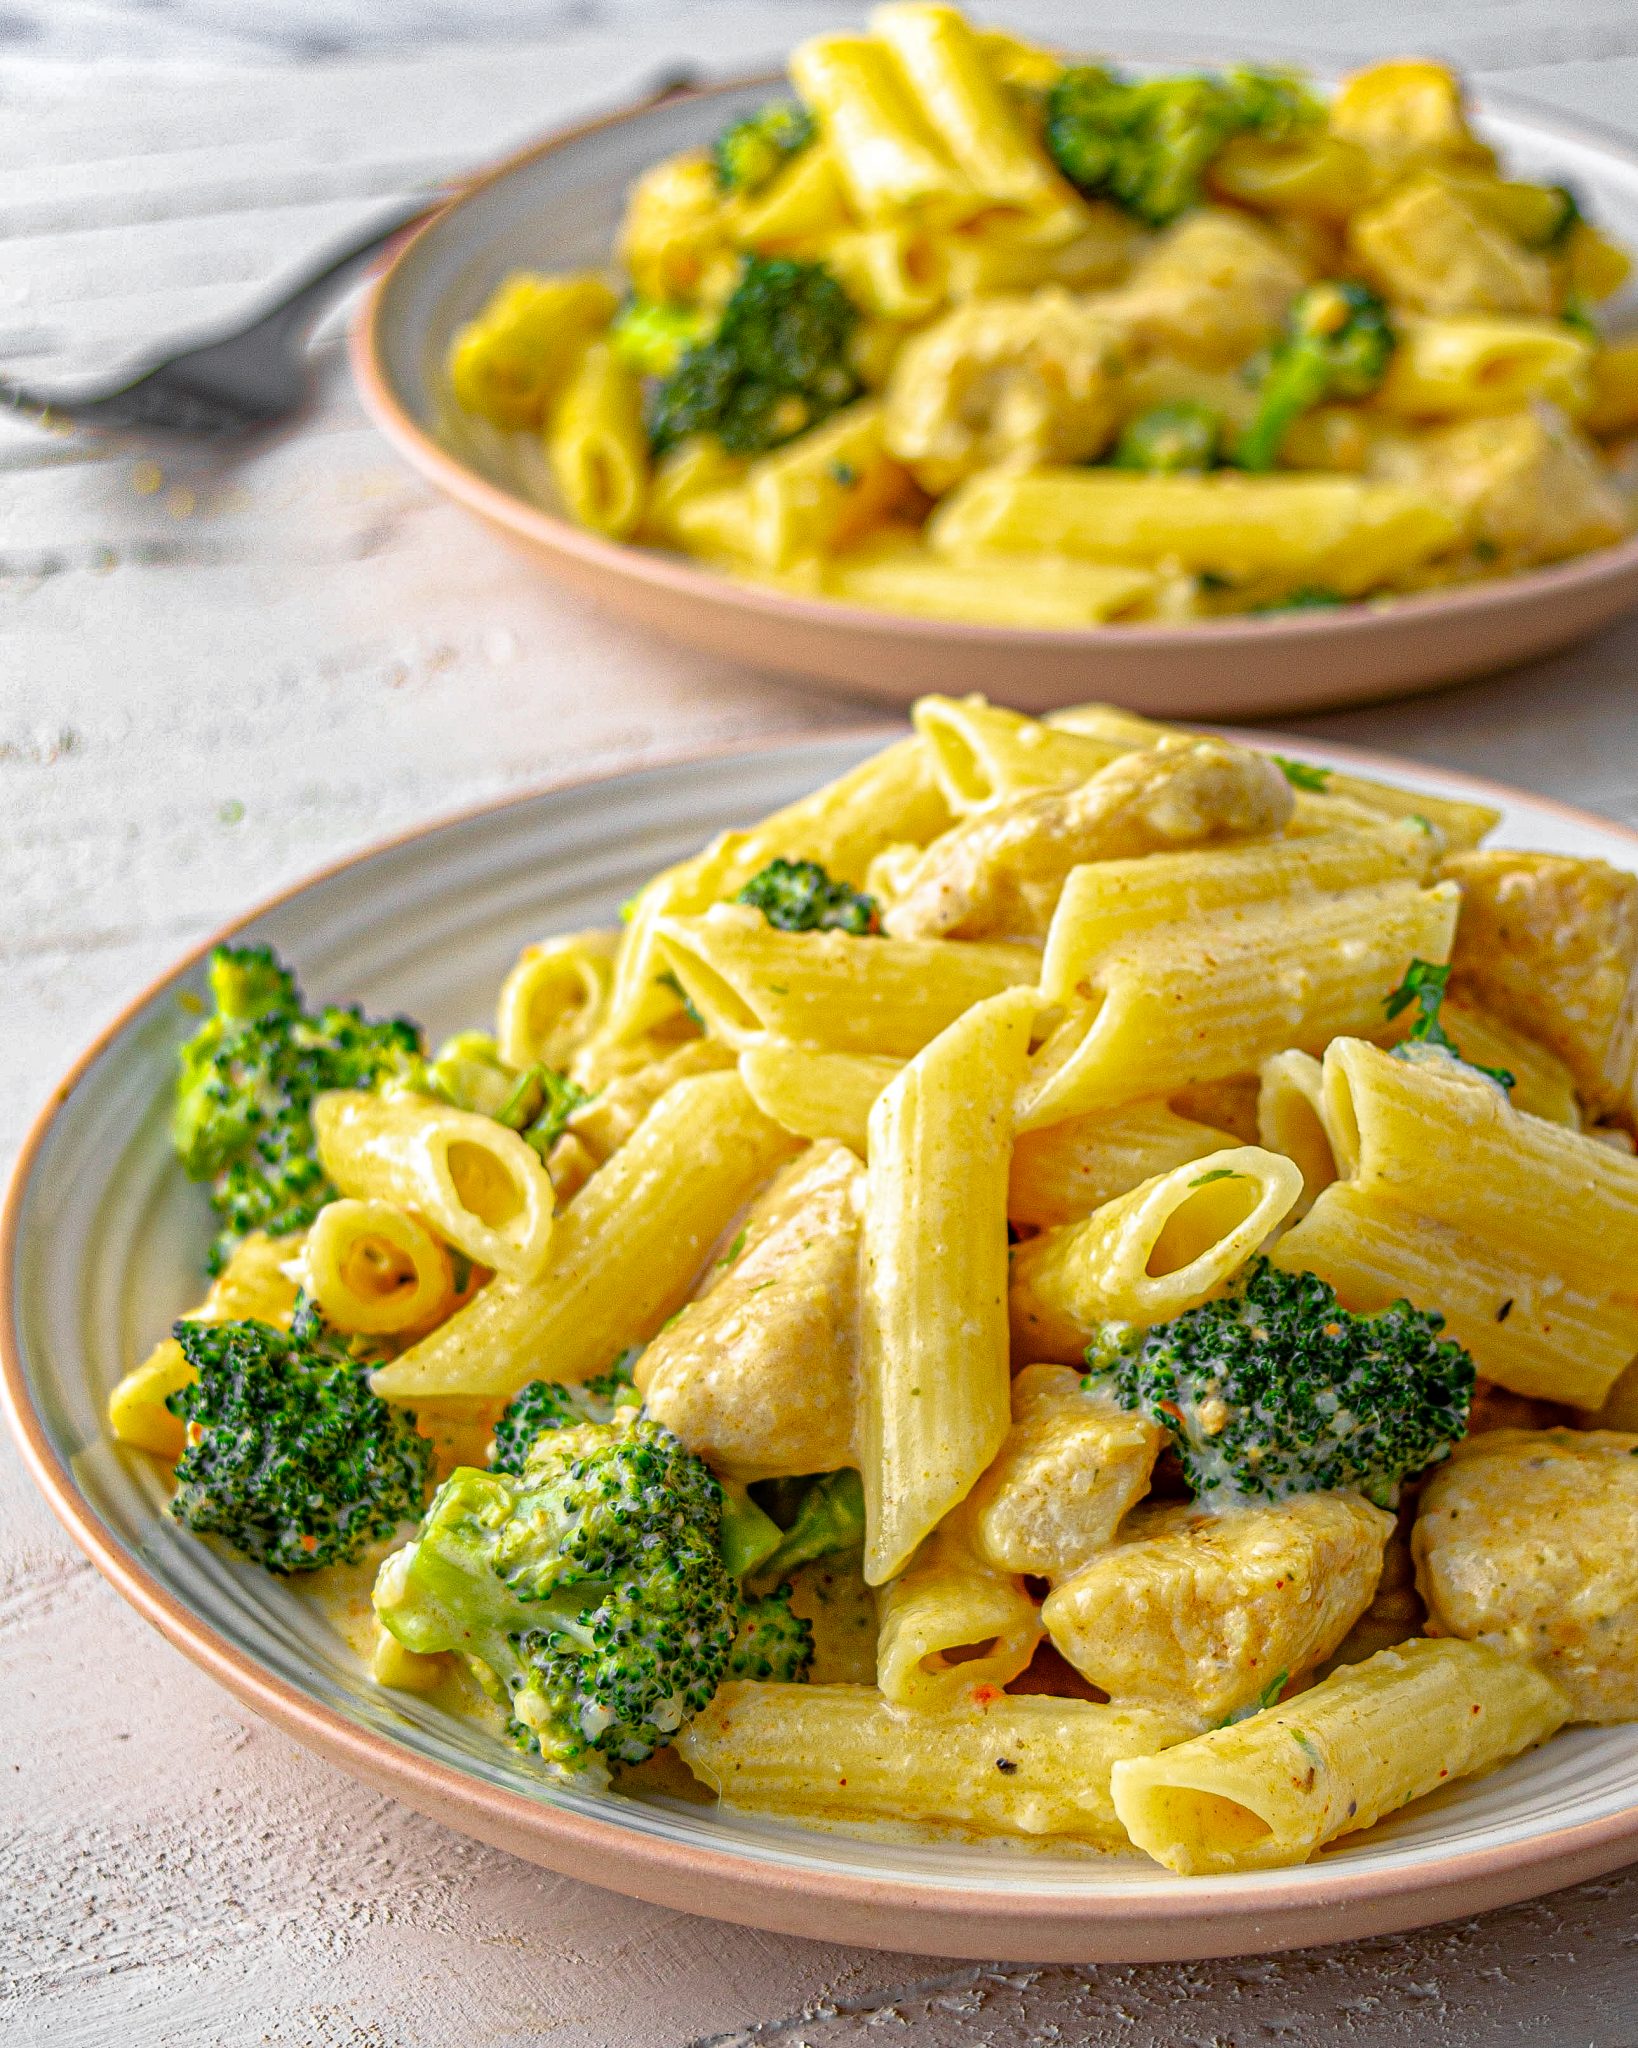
(556, 207)
(101, 1245)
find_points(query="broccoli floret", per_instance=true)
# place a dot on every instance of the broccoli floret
(1275, 1390)
(549, 1404)
(246, 1087)
(827, 1519)
(588, 1591)
(468, 1072)
(798, 896)
(772, 1641)
(1427, 1038)
(1337, 344)
(1147, 143)
(1169, 439)
(289, 1457)
(650, 336)
(777, 364)
(749, 154)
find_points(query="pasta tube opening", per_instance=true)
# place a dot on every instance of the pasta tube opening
(478, 1184)
(374, 1270)
(1292, 1119)
(554, 998)
(1150, 1255)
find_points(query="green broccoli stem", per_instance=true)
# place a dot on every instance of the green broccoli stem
(1295, 385)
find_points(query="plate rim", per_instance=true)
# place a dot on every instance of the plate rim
(682, 577)
(1263, 1904)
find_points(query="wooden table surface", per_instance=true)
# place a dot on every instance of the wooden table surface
(214, 677)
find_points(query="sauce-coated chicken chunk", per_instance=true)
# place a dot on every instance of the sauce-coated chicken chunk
(1530, 1539)
(1220, 1610)
(757, 1375)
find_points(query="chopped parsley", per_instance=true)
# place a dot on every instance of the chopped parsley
(1424, 986)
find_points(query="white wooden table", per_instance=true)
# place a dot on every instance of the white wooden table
(213, 679)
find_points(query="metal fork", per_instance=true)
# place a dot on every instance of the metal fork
(257, 374)
(237, 383)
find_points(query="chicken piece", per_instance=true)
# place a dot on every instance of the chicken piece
(1427, 249)
(1211, 291)
(1000, 871)
(757, 1374)
(1070, 1468)
(1529, 1539)
(1530, 484)
(1219, 1612)
(1548, 943)
(1016, 378)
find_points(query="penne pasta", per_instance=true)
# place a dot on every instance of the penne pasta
(831, 989)
(1548, 1335)
(1107, 902)
(1362, 1743)
(961, 100)
(596, 444)
(1292, 1119)
(951, 1622)
(1334, 531)
(817, 1094)
(478, 1184)
(376, 1270)
(624, 1256)
(1149, 1255)
(1065, 1171)
(892, 797)
(554, 998)
(982, 753)
(1214, 998)
(900, 575)
(888, 157)
(933, 1346)
(1567, 1202)
(843, 1752)
(1461, 368)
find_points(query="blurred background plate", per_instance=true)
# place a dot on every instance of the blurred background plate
(557, 207)
(102, 1244)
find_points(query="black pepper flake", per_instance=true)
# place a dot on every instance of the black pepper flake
(1505, 1310)
(1005, 1765)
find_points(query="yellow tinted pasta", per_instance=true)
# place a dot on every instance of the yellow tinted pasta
(1149, 1255)
(555, 997)
(1215, 997)
(933, 1343)
(816, 1094)
(1068, 1169)
(983, 752)
(949, 1623)
(624, 1255)
(478, 1184)
(842, 1752)
(596, 444)
(889, 160)
(1365, 1741)
(1305, 529)
(1109, 901)
(830, 989)
(374, 1269)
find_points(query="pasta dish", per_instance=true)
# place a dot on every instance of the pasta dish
(967, 330)
(1074, 1285)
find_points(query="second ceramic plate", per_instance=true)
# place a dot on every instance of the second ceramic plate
(557, 206)
(102, 1243)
